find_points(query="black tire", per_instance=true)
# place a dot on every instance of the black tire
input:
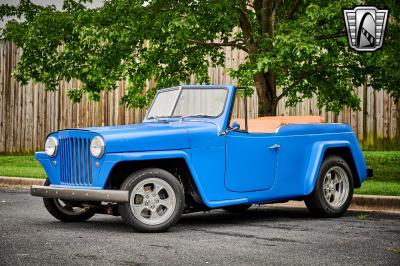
(55, 209)
(140, 177)
(317, 203)
(237, 208)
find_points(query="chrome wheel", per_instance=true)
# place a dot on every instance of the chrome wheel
(152, 201)
(336, 187)
(68, 209)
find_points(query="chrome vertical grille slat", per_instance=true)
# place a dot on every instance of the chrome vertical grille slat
(90, 166)
(83, 161)
(80, 165)
(86, 152)
(60, 141)
(75, 158)
(75, 161)
(81, 174)
(63, 159)
(66, 156)
(71, 158)
(78, 156)
(70, 169)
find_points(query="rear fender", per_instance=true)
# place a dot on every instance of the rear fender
(317, 155)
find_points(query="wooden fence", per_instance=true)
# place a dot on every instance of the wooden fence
(29, 113)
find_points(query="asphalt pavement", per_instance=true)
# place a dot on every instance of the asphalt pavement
(261, 236)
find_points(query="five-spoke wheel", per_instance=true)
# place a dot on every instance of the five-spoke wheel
(152, 201)
(156, 200)
(334, 188)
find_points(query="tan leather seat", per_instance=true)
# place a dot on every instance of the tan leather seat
(269, 124)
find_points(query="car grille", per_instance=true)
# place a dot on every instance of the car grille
(75, 161)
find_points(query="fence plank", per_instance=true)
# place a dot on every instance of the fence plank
(2, 98)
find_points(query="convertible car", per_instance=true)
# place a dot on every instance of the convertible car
(198, 149)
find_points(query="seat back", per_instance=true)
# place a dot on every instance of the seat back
(269, 124)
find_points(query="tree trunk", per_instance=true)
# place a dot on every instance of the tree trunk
(266, 92)
(266, 82)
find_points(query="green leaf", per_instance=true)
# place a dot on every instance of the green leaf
(306, 52)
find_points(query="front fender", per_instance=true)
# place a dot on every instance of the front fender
(112, 159)
(317, 155)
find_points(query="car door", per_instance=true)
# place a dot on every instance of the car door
(251, 161)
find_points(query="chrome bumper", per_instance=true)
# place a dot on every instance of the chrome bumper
(80, 194)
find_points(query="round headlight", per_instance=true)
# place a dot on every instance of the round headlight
(51, 146)
(97, 147)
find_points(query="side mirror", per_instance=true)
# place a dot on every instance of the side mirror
(235, 126)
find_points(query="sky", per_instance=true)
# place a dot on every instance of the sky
(57, 3)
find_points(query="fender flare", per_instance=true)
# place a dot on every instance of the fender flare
(114, 158)
(316, 158)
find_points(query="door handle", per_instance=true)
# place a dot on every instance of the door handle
(275, 147)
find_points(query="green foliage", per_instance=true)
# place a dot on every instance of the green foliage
(362, 216)
(302, 43)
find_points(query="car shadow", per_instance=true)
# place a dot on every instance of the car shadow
(271, 216)
(252, 217)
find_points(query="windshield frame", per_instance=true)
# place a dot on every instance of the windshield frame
(245, 130)
(181, 88)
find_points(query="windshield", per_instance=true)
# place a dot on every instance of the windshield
(188, 102)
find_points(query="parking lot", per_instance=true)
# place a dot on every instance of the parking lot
(261, 236)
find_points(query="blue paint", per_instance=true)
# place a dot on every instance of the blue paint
(227, 169)
(245, 172)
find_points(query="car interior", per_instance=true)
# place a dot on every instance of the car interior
(269, 124)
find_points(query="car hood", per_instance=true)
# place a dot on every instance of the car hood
(148, 136)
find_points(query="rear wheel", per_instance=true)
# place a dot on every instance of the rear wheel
(156, 200)
(333, 191)
(237, 208)
(67, 211)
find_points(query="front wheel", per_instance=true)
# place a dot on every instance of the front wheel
(67, 211)
(156, 200)
(333, 191)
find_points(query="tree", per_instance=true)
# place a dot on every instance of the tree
(298, 46)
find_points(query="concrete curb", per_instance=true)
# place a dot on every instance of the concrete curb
(360, 202)
(21, 181)
(387, 203)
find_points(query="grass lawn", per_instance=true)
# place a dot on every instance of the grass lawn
(21, 166)
(386, 180)
(386, 165)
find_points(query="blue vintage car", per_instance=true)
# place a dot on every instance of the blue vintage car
(198, 150)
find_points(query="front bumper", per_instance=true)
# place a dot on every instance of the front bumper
(76, 194)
